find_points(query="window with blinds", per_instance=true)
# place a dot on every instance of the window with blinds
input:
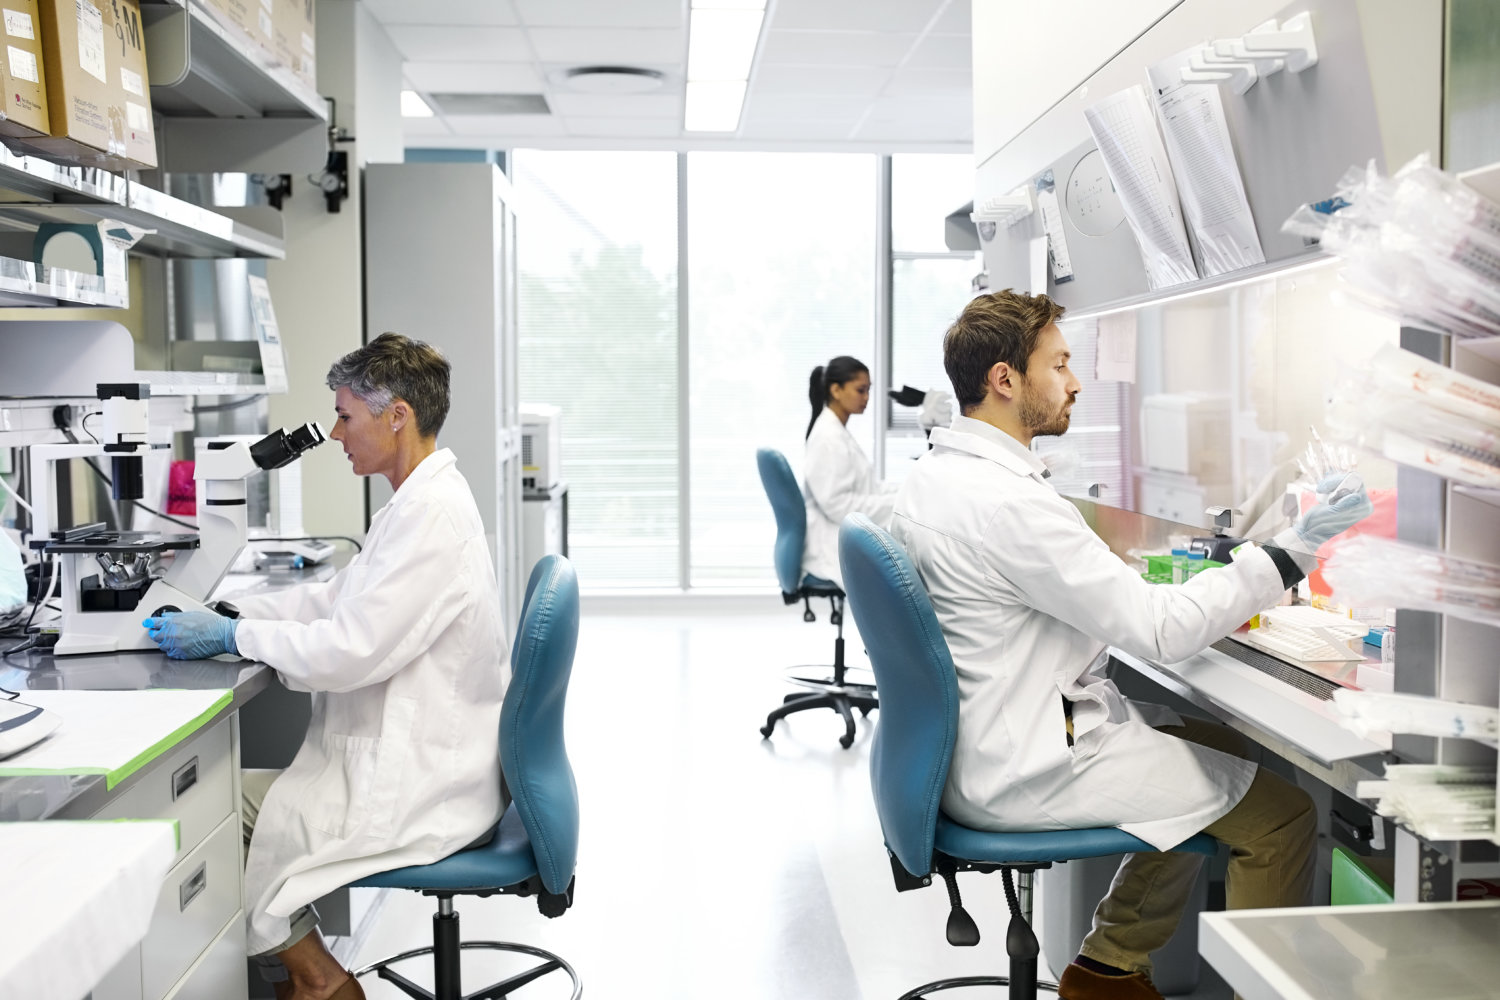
(781, 265)
(597, 314)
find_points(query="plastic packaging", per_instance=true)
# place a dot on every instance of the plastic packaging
(1419, 245)
(1369, 570)
(1364, 712)
(1437, 801)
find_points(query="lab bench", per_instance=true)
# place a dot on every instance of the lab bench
(195, 945)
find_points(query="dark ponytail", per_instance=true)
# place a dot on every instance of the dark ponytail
(838, 371)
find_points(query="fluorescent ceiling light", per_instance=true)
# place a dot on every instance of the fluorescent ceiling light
(713, 105)
(412, 105)
(721, 43)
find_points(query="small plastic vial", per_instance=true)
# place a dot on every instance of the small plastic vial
(1195, 564)
(1179, 565)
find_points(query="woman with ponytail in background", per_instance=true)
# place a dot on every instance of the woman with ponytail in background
(838, 479)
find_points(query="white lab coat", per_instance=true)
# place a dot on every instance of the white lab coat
(837, 480)
(1028, 597)
(406, 658)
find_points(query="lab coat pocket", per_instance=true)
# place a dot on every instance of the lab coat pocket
(358, 793)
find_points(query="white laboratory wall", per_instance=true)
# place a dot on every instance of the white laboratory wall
(318, 290)
(1029, 56)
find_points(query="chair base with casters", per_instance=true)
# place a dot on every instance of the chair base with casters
(1016, 856)
(836, 691)
(510, 849)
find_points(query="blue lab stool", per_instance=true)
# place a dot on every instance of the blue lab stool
(911, 752)
(834, 691)
(535, 845)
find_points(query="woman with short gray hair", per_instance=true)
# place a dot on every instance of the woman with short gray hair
(404, 653)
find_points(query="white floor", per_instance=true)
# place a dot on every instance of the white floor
(713, 863)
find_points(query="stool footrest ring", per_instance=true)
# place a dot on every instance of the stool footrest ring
(551, 963)
(960, 982)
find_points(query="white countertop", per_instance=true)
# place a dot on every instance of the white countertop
(90, 889)
(1423, 951)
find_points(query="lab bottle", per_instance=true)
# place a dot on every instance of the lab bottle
(1179, 565)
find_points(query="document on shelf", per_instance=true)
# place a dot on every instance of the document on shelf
(1114, 352)
(1052, 225)
(1124, 128)
(1202, 158)
(113, 733)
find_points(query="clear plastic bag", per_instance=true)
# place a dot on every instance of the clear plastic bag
(1368, 571)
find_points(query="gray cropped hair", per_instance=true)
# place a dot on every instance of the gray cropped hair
(392, 367)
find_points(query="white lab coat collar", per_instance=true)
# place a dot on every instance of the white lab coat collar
(988, 441)
(425, 471)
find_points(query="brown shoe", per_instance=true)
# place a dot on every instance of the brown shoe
(350, 990)
(1078, 983)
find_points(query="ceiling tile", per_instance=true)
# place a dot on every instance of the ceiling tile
(938, 110)
(795, 130)
(957, 83)
(807, 108)
(427, 43)
(507, 125)
(627, 46)
(425, 126)
(605, 105)
(468, 12)
(625, 128)
(857, 15)
(942, 52)
(915, 130)
(835, 48)
(474, 77)
(958, 19)
(602, 13)
(808, 80)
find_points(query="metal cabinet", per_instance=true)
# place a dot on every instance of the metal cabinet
(440, 267)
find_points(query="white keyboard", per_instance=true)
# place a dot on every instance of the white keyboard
(1293, 643)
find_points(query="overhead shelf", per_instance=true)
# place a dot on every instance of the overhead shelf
(203, 383)
(200, 68)
(1204, 286)
(36, 191)
(20, 286)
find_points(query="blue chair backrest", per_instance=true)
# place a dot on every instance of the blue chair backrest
(791, 516)
(533, 754)
(913, 743)
(537, 572)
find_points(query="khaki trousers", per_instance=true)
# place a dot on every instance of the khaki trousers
(254, 784)
(1270, 833)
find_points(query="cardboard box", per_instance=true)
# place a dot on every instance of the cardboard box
(98, 95)
(25, 111)
(296, 39)
(252, 20)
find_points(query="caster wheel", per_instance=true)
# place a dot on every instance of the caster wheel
(836, 618)
(766, 731)
(808, 616)
(846, 742)
(864, 713)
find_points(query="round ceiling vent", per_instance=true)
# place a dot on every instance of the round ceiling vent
(613, 79)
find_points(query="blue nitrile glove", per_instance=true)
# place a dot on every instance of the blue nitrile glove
(1328, 520)
(192, 635)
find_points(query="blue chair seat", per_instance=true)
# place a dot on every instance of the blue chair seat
(506, 860)
(1049, 846)
(819, 587)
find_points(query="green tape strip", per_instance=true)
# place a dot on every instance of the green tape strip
(140, 760)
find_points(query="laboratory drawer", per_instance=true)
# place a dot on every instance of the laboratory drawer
(193, 784)
(220, 974)
(200, 894)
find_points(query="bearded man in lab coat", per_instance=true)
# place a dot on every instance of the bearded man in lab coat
(1029, 597)
(404, 653)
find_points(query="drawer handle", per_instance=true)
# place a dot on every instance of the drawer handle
(192, 886)
(184, 778)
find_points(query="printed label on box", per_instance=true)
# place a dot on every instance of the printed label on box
(18, 24)
(131, 81)
(22, 64)
(91, 40)
(138, 115)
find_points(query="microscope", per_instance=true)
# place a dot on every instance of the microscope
(111, 580)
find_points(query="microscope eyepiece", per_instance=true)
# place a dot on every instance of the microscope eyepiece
(282, 447)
